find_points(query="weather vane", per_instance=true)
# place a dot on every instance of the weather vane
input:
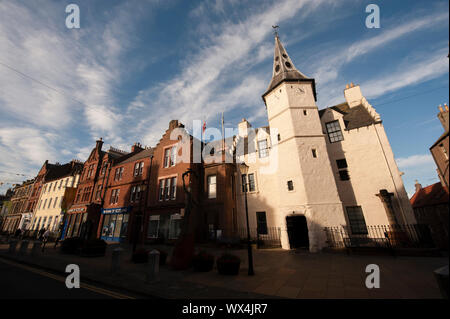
(275, 28)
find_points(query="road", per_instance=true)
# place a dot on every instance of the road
(18, 281)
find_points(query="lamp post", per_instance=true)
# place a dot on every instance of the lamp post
(244, 169)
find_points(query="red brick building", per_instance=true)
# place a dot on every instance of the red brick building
(167, 200)
(125, 195)
(83, 216)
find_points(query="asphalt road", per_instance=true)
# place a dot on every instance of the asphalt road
(19, 281)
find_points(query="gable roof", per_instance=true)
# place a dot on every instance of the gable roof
(354, 117)
(431, 195)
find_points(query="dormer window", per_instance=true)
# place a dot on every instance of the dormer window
(334, 131)
(263, 149)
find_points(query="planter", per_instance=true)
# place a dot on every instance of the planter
(203, 262)
(228, 265)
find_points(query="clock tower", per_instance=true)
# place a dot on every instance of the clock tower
(308, 198)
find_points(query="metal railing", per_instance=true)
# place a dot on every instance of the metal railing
(391, 236)
(269, 237)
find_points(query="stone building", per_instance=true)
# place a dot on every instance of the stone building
(18, 217)
(310, 169)
(57, 192)
(440, 149)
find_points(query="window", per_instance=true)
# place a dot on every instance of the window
(114, 196)
(290, 185)
(248, 181)
(49, 222)
(279, 137)
(79, 195)
(173, 156)
(166, 157)
(103, 171)
(136, 192)
(263, 149)
(49, 202)
(45, 189)
(99, 192)
(39, 205)
(56, 201)
(161, 189)
(138, 168)
(305, 112)
(174, 226)
(444, 151)
(334, 131)
(173, 188)
(356, 220)
(54, 186)
(153, 227)
(212, 186)
(167, 189)
(251, 182)
(67, 182)
(314, 153)
(342, 167)
(261, 223)
(91, 170)
(60, 184)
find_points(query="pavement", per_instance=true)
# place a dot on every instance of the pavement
(278, 274)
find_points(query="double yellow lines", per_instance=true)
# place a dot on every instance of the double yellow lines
(62, 279)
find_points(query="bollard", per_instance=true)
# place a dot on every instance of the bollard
(441, 276)
(36, 248)
(23, 247)
(153, 266)
(12, 246)
(115, 260)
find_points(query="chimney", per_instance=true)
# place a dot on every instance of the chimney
(99, 144)
(353, 95)
(137, 147)
(173, 124)
(443, 116)
(243, 128)
(418, 186)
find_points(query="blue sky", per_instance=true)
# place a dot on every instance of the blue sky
(135, 65)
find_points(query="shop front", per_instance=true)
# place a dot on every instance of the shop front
(115, 223)
(74, 218)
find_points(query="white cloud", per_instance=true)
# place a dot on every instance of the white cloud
(415, 161)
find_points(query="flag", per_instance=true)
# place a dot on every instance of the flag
(204, 127)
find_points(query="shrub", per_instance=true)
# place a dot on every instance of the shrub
(228, 264)
(71, 245)
(203, 262)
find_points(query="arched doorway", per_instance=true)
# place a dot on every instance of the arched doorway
(297, 229)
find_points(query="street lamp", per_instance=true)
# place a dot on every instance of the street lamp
(244, 169)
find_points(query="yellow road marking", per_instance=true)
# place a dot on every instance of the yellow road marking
(102, 291)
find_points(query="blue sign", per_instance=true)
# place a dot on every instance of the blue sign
(119, 210)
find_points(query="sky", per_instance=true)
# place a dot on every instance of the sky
(134, 65)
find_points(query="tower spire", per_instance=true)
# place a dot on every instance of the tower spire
(283, 67)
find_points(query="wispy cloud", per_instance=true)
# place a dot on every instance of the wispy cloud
(415, 161)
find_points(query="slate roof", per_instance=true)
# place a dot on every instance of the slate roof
(140, 155)
(284, 69)
(431, 195)
(354, 117)
(59, 171)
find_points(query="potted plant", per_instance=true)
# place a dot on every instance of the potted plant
(203, 262)
(140, 256)
(228, 264)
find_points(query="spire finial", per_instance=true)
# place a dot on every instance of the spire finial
(275, 30)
